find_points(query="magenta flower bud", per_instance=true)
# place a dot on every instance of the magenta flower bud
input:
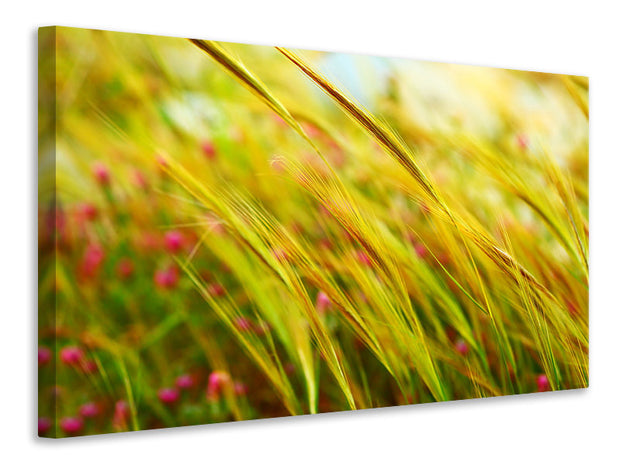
(216, 289)
(102, 174)
(44, 355)
(208, 149)
(543, 383)
(92, 260)
(71, 425)
(89, 410)
(322, 302)
(173, 241)
(167, 278)
(88, 211)
(240, 389)
(89, 366)
(121, 407)
(217, 381)
(168, 395)
(185, 381)
(121, 412)
(71, 355)
(243, 324)
(124, 269)
(461, 347)
(44, 424)
(94, 254)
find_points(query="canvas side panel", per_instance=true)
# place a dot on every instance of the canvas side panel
(50, 221)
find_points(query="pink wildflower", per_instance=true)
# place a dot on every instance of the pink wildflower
(185, 381)
(168, 395)
(71, 355)
(71, 425)
(102, 173)
(173, 241)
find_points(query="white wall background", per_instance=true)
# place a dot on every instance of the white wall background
(558, 36)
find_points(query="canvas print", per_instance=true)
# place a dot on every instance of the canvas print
(231, 232)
